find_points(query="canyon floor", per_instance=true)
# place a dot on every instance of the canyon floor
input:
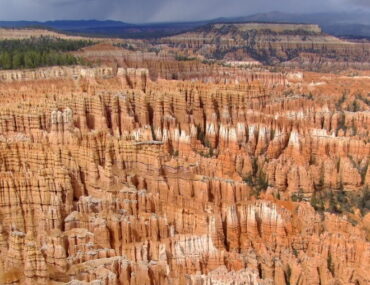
(189, 161)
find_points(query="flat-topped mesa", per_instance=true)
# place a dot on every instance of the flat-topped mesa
(293, 45)
(29, 33)
(273, 27)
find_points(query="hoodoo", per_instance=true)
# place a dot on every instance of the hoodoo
(173, 162)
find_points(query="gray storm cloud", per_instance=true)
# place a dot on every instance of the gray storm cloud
(365, 3)
(162, 10)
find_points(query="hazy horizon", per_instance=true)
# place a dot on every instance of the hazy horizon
(145, 11)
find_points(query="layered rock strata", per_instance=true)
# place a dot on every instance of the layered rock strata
(122, 180)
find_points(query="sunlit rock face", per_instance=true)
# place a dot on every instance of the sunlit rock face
(108, 177)
(290, 45)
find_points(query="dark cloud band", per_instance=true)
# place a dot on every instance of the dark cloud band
(161, 10)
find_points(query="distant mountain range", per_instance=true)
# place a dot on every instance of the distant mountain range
(352, 25)
(108, 28)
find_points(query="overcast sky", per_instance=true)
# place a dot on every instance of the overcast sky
(163, 10)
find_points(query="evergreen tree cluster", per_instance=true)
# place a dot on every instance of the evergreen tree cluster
(257, 179)
(39, 52)
(340, 201)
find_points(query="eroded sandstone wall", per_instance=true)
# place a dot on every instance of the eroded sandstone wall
(121, 180)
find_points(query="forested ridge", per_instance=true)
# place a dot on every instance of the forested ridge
(39, 52)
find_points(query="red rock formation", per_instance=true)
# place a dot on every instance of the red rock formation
(293, 45)
(122, 180)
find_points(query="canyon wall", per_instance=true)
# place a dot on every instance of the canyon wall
(293, 45)
(108, 177)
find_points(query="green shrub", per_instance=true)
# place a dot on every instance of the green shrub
(298, 196)
(341, 201)
(257, 179)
